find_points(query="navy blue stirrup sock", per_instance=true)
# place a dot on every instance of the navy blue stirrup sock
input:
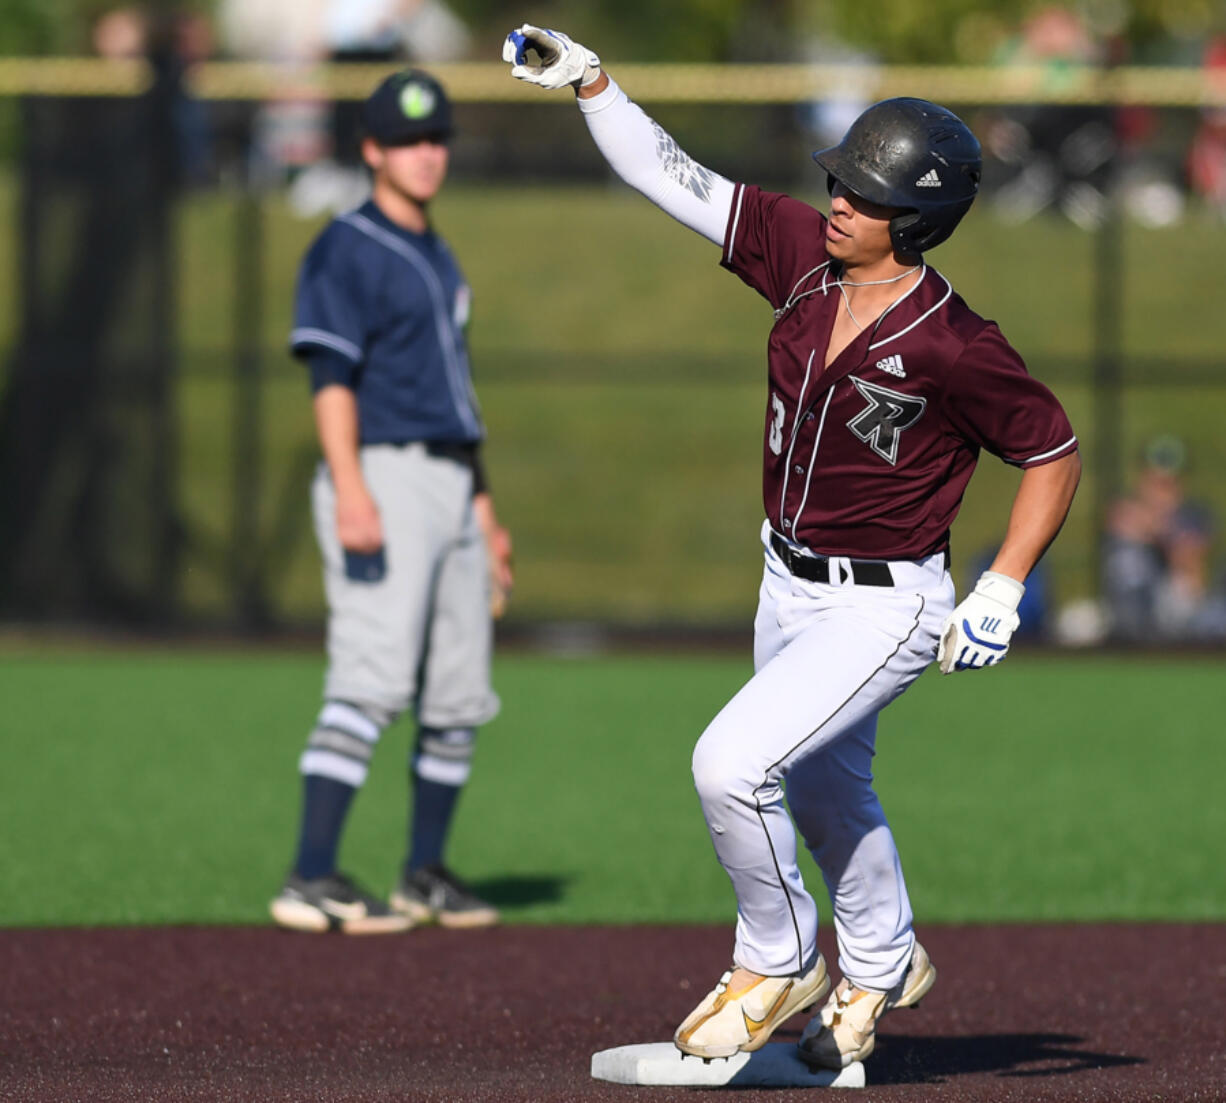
(439, 767)
(433, 808)
(325, 803)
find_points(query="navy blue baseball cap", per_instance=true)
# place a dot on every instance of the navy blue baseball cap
(406, 107)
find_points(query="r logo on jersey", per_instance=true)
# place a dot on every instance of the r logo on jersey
(888, 413)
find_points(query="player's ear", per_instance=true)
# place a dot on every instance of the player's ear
(372, 154)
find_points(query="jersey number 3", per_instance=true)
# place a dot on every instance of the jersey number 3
(774, 436)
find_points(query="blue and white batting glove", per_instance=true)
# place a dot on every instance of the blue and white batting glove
(977, 633)
(562, 61)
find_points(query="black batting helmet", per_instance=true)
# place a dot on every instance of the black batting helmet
(911, 154)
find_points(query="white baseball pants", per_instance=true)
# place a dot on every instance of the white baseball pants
(828, 658)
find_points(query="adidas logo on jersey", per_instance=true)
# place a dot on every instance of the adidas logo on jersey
(893, 365)
(930, 179)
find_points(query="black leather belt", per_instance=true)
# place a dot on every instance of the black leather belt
(460, 451)
(813, 568)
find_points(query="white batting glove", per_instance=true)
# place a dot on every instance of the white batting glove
(977, 633)
(562, 61)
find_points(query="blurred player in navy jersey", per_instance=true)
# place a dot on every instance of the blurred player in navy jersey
(416, 565)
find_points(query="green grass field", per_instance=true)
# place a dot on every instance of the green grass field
(159, 786)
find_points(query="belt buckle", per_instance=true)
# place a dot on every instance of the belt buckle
(793, 559)
(810, 567)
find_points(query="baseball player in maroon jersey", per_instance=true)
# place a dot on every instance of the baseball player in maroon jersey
(883, 388)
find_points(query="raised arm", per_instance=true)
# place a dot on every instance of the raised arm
(637, 148)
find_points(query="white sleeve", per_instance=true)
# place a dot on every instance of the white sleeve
(647, 158)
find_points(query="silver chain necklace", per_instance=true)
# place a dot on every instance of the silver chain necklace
(844, 284)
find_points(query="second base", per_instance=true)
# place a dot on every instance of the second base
(775, 1065)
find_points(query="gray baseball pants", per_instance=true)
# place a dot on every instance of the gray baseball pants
(422, 636)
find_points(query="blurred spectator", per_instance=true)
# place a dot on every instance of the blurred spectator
(1207, 156)
(392, 31)
(424, 31)
(1057, 154)
(175, 40)
(121, 33)
(1156, 571)
(290, 130)
(827, 117)
(302, 136)
(191, 41)
(271, 30)
(1076, 159)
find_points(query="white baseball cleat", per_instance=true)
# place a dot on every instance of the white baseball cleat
(846, 1028)
(333, 903)
(742, 1019)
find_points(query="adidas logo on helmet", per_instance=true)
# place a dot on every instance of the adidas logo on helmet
(914, 155)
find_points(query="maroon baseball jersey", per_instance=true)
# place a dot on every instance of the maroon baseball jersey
(870, 457)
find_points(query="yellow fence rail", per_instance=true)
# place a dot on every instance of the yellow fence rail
(489, 82)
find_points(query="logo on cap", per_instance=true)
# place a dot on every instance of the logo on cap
(417, 100)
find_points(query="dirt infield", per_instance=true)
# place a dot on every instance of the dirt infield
(1129, 1012)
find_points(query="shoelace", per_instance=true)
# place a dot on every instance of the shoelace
(843, 1001)
(346, 890)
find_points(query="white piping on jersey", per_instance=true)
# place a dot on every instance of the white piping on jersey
(817, 439)
(800, 405)
(468, 379)
(456, 382)
(1049, 452)
(931, 310)
(736, 220)
(308, 336)
(793, 298)
(827, 284)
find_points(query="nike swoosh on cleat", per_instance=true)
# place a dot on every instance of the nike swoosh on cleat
(754, 1026)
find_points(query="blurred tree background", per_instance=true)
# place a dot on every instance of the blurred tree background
(892, 31)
